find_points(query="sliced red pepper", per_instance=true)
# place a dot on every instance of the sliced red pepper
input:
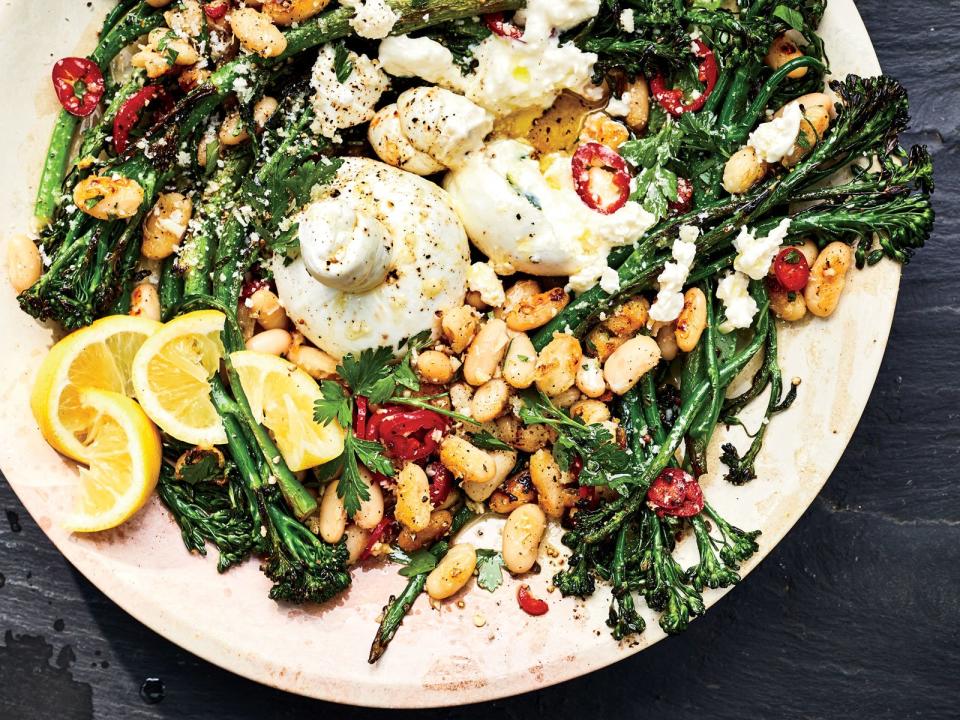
(529, 604)
(79, 85)
(587, 498)
(791, 269)
(360, 413)
(498, 26)
(684, 201)
(406, 434)
(376, 535)
(216, 10)
(129, 114)
(675, 493)
(594, 155)
(441, 483)
(672, 99)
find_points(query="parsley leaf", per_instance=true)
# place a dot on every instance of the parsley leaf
(342, 64)
(488, 441)
(489, 569)
(656, 182)
(334, 406)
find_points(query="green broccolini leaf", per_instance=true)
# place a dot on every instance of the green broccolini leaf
(422, 561)
(488, 441)
(656, 182)
(489, 569)
(791, 17)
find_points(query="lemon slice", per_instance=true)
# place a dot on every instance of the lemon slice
(98, 356)
(123, 456)
(171, 377)
(281, 396)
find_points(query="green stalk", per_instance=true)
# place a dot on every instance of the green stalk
(171, 287)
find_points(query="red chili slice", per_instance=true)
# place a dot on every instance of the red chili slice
(216, 10)
(684, 200)
(360, 413)
(79, 85)
(791, 269)
(587, 498)
(375, 536)
(594, 155)
(441, 482)
(498, 26)
(129, 114)
(529, 604)
(672, 99)
(675, 493)
(407, 434)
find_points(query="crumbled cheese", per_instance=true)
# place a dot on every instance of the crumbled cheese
(481, 278)
(754, 255)
(619, 107)
(343, 105)
(669, 302)
(775, 139)
(739, 307)
(541, 18)
(404, 56)
(627, 21)
(609, 281)
(374, 19)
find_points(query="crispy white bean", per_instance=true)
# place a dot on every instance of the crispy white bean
(630, 362)
(263, 110)
(667, 341)
(504, 461)
(782, 50)
(267, 310)
(692, 320)
(628, 317)
(165, 225)
(413, 498)
(24, 263)
(466, 461)
(743, 170)
(535, 311)
(520, 364)
(288, 12)
(522, 535)
(145, 302)
(271, 342)
(435, 367)
(827, 279)
(590, 378)
(490, 400)
(439, 525)
(590, 411)
(789, 306)
(557, 365)
(639, 114)
(332, 515)
(485, 352)
(316, 363)
(108, 198)
(452, 572)
(233, 130)
(459, 326)
(257, 33)
(548, 479)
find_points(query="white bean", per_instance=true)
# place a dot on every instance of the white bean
(522, 535)
(504, 461)
(827, 279)
(485, 352)
(490, 400)
(557, 365)
(371, 510)
(257, 33)
(165, 225)
(24, 263)
(520, 364)
(630, 362)
(413, 498)
(316, 363)
(590, 378)
(466, 461)
(435, 367)
(271, 342)
(145, 302)
(332, 519)
(356, 540)
(693, 319)
(266, 309)
(452, 572)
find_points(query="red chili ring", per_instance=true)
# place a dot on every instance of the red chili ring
(684, 201)
(591, 155)
(671, 99)
(129, 114)
(441, 483)
(216, 11)
(79, 85)
(498, 26)
(675, 493)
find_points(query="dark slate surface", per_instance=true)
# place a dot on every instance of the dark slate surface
(854, 615)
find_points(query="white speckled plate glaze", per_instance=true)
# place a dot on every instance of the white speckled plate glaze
(438, 657)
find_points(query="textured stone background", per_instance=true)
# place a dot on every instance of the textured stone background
(854, 615)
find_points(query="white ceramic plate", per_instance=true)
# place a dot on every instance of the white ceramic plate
(437, 658)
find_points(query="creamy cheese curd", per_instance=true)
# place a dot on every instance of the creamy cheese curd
(669, 302)
(540, 18)
(773, 140)
(374, 19)
(509, 75)
(739, 307)
(755, 255)
(382, 253)
(344, 105)
(482, 279)
(526, 216)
